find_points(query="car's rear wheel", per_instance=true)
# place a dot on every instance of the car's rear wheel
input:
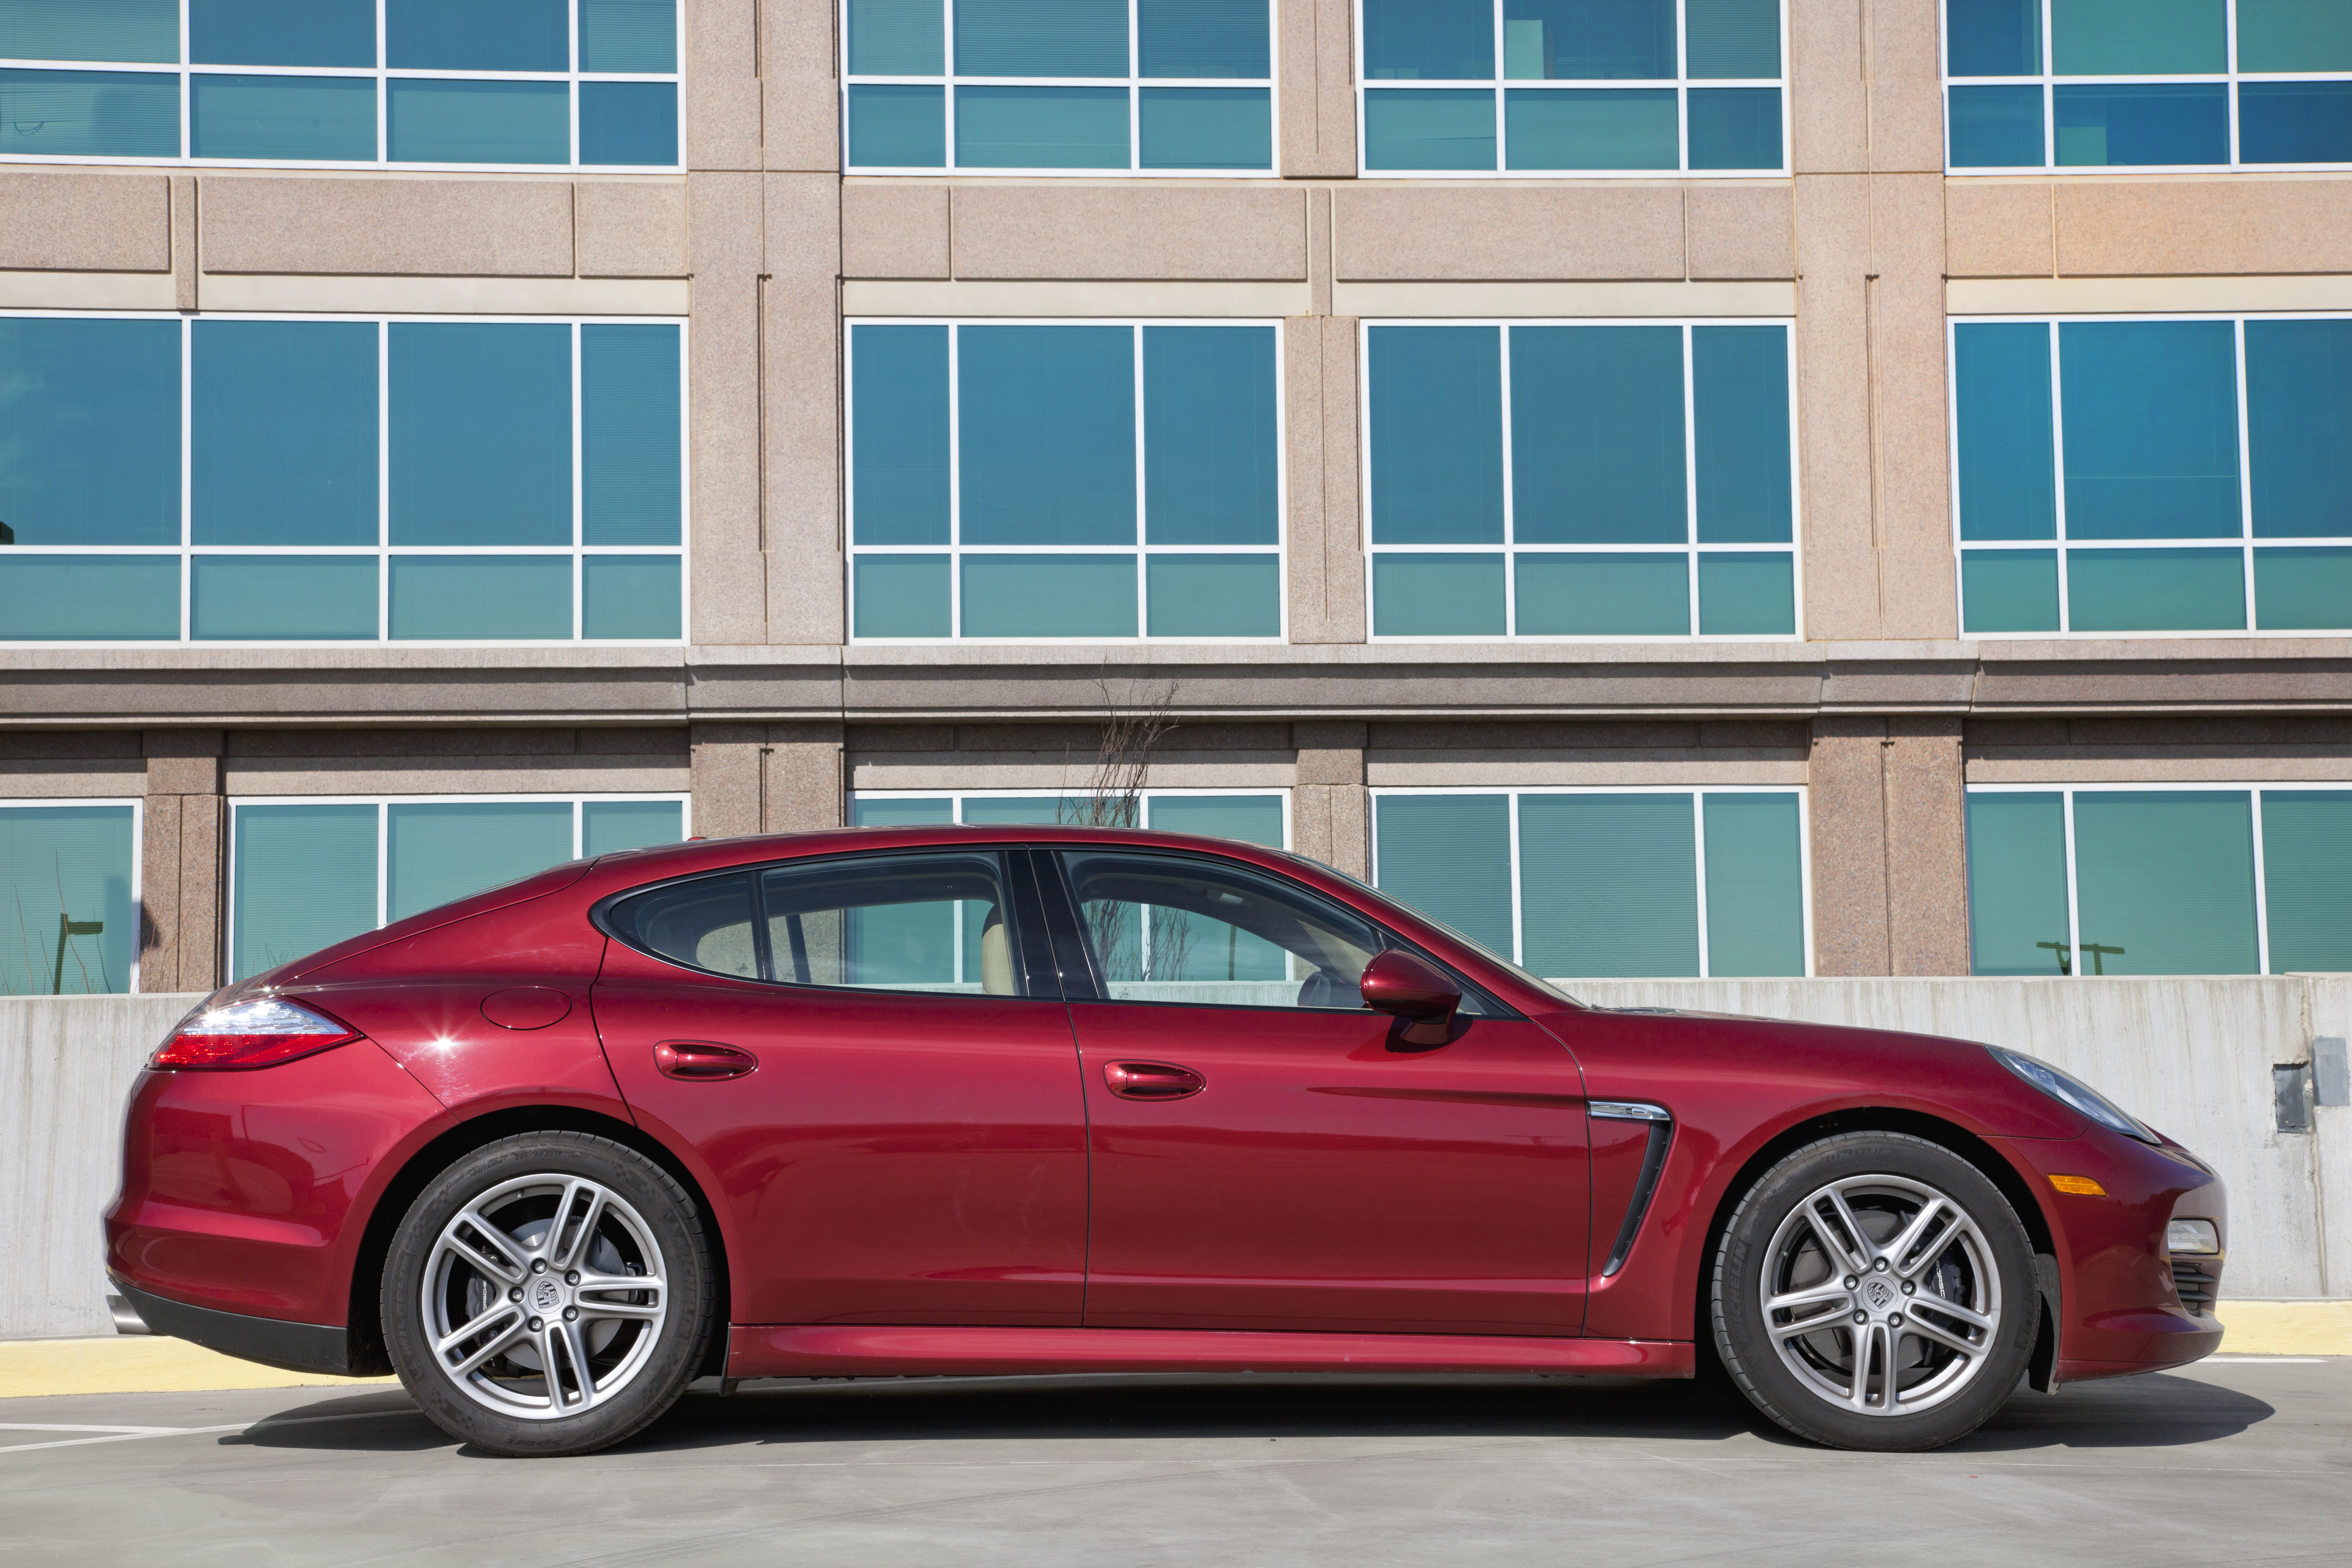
(549, 1293)
(1874, 1291)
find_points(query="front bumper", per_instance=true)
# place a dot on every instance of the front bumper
(272, 1341)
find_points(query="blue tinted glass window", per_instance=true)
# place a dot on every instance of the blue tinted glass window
(1740, 399)
(628, 35)
(1590, 40)
(284, 420)
(301, 876)
(1992, 38)
(1436, 435)
(145, 31)
(1048, 435)
(2017, 883)
(1202, 595)
(2010, 591)
(477, 35)
(628, 123)
(1755, 885)
(897, 126)
(89, 598)
(898, 434)
(1587, 594)
(277, 598)
(2156, 590)
(901, 596)
(1203, 38)
(2139, 38)
(1437, 127)
(1428, 40)
(440, 850)
(1609, 884)
(1597, 453)
(1434, 594)
(2295, 36)
(481, 435)
(1565, 128)
(630, 460)
(1205, 127)
(1747, 594)
(1041, 38)
(632, 596)
(2001, 376)
(2189, 909)
(2151, 428)
(1996, 127)
(897, 38)
(1211, 469)
(481, 597)
(1734, 127)
(321, 117)
(1449, 855)
(2306, 866)
(69, 871)
(2294, 121)
(1731, 39)
(1049, 596)
(2298, 407)
(90, 413)
(2142, 122)
(279, 33)
(1041, 127)
(2308, 589)
(608, 826)
(89, 114)
(432, 122)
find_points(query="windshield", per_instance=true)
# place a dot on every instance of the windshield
(1471, 942)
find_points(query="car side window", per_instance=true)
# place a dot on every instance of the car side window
(1177, 928)
(926, 921)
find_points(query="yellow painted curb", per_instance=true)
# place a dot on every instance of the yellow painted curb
(140, 1363)
(2285, 1328)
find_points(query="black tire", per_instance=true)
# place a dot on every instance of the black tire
(1793, 1377)
(623, 1352)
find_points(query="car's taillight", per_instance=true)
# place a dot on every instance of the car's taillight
(256, 1034)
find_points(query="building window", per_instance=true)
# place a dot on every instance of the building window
(73, 894)
(520, 84)
(1563, 87)
(2176, 879)
(2173, 475)
(1591, 481)
(1261, 816)
(340, 481)
(306, 872)
(1064, 87)
(2147, 83)
(1065, 480)
(1591, 883)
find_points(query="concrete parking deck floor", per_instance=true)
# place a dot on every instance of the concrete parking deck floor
(2231, 1461)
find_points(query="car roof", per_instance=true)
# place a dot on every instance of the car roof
(714, 854)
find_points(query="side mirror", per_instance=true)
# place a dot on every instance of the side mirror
(1406, 987)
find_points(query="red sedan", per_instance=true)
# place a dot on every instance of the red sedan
(938, 1100)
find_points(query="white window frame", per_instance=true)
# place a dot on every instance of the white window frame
(948, 80)
(384, 550)
(956, 550)
(382, 75)
(2245, 541)
(1698, 791)
(2048, 80)
(1510, 549)
(2255, 788)
(956, 797)
(138, 863)
(1682, 83)
(382, 803)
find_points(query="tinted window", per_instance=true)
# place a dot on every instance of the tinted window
(1168, 928)
(705, 923)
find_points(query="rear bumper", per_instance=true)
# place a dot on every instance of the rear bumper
(272, 1341)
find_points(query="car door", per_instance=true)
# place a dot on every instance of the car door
(1269, 1155)
(888, 1107)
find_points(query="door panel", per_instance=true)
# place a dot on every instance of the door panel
(1322, 1174)
(897, 1155)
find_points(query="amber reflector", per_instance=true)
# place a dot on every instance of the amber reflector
(2082, 1185)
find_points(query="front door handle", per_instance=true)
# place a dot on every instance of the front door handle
(1152, 1080)
(702, 1061)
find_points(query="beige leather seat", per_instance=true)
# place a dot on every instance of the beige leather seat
(995, 956)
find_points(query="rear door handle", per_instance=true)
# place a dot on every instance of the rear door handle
(1152, 1080)
(702, 1061)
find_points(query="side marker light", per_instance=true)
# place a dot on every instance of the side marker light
(2082, 1186)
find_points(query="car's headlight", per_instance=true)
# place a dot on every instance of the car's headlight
(2191, 1235)
(2073, 1093)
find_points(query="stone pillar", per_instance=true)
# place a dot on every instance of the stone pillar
(801, 778)
(1326, 548)
(1889, 847)
(799, 407)
(725, 778)
(180, 879)
(726, 248)
(1318, 133)
(1330, 811)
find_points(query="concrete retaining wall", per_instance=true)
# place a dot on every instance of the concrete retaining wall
(2192, 1055)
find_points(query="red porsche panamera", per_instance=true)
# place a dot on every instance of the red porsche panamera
(935, 1101)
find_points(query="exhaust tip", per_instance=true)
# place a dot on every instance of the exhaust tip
(127, 1320)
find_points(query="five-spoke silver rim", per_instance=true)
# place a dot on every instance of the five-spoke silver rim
(544, 1296)
(1881, 1296)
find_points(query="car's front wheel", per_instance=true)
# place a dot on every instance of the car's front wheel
(549, 1293)
(1874, 1291)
